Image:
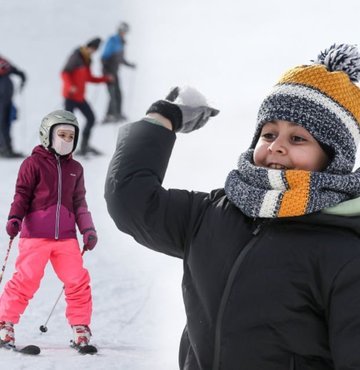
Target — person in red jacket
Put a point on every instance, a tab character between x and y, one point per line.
75	75
49	202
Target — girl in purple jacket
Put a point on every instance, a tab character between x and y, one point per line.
49	201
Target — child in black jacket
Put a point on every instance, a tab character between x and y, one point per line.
272	261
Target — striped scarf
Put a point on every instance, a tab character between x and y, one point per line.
268	193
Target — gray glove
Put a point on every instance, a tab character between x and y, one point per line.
186	108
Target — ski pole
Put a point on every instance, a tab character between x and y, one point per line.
43	328
6	258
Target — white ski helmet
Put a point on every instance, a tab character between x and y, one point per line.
56	118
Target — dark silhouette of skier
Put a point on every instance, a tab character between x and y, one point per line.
7	108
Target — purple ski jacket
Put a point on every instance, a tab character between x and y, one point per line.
50	197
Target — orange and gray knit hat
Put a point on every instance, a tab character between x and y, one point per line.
323	98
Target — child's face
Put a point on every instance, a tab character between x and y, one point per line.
283	145
66	135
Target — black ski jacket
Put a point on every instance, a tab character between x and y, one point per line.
259	294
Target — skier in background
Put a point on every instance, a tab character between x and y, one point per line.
75	75
49	202
111	58
7	108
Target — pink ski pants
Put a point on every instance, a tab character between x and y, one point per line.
66	259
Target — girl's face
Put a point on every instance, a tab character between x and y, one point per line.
66	135
63	139
284	145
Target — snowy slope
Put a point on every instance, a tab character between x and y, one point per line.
233	52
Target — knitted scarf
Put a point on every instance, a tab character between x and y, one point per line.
269	193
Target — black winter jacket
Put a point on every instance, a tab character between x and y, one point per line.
259	294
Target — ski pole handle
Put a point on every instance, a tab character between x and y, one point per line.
6	258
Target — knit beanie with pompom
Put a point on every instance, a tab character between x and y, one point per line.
323	98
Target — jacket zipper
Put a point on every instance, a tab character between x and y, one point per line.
58	205
225	296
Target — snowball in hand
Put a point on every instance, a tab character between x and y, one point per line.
190	96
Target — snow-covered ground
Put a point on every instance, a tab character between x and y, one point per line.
231	51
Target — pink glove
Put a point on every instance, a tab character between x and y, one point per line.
13	227
90	239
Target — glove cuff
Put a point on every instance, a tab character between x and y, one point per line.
88	229
169	110
14	217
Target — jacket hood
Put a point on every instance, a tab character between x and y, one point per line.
345	215
348	208
39	149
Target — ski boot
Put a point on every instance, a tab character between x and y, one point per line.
82	334
7	335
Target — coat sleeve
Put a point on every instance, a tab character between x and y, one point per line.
82	215
123	60
67	80
157	218
344	317
19	73
94	79
24	189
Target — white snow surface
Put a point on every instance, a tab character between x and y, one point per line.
231	51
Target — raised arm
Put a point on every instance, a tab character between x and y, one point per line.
157	218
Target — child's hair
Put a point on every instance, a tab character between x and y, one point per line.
323	98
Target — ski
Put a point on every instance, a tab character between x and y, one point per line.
87	349
27	350
30	349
